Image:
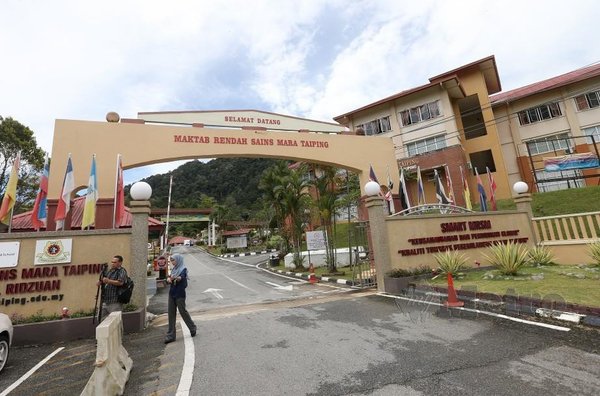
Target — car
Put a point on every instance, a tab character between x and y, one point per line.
6	336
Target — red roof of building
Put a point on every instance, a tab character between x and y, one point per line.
243	231
22	222
178	240
545	85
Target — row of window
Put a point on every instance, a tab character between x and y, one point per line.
562	141
408	117
588	100
377	126
547	111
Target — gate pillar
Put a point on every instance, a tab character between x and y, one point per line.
379	238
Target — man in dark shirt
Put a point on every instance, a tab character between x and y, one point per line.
111	280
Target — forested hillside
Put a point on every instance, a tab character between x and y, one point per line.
231	181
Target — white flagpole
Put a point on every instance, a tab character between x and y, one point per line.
168	213
115	199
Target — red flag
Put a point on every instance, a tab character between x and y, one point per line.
119	210
492	188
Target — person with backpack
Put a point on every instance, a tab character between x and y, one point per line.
111	281
178	281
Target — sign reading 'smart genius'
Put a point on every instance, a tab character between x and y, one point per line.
415	240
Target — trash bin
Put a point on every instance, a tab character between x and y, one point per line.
274	260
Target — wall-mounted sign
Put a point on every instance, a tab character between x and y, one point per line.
9	254
315	240
52	251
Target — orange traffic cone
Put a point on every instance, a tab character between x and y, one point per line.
452	298
311	274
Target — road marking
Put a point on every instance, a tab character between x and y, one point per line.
279	287
30	372
502	316
214	292
239	284
189	358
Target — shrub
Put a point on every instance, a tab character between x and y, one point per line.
450	262
594	252
402	272
509	258
541	255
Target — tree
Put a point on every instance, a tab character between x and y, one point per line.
273	205
326	204
15	137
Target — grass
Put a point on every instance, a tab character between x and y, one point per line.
556	285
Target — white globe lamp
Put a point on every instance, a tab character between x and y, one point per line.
372	188
140	191
520	187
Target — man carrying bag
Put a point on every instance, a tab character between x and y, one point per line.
111	281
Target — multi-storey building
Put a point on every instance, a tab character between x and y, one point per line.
461	120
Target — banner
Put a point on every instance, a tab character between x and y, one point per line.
9	254
571	161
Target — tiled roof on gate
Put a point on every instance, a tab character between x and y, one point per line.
243	231
545	85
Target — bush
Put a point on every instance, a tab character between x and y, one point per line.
450	262
509	258
402	272
541	255
594	253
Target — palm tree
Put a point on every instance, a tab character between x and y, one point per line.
272	178
220	215
326	204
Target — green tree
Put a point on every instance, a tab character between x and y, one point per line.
274	210
15	137
326	203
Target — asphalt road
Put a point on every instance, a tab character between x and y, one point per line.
259	336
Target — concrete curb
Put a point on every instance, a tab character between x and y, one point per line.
319	278
246	253
563	314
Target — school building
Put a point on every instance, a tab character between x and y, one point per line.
460	119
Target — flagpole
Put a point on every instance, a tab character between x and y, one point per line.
115	195
168	213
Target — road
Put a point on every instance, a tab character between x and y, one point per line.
260	334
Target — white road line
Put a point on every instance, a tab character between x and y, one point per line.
30	372
187	373
529	322
239	284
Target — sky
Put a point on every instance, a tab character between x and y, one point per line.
315	58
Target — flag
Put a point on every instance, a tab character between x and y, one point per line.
450	187
439	189
39	214
482	196
492	189
404	201
466	192
420	190
372	176
389	195
64	201
91	197
10	194
119	203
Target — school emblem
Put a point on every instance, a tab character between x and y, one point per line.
53	251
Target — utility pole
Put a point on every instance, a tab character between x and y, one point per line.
168	213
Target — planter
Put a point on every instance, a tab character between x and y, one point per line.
71	329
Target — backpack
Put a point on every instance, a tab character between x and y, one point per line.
125	291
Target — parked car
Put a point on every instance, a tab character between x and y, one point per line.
6	336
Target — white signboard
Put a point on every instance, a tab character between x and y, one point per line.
9	254
52	251
237	242
315	240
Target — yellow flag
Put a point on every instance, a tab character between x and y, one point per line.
10	195
89	210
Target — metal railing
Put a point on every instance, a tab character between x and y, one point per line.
580	227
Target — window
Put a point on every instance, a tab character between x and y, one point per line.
549	144
421	113
425	145
588	100
594	133
482	159
377	126
574	182
539	113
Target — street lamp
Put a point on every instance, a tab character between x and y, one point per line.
520	187
140	191
372	188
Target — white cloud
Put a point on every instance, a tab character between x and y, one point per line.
318	59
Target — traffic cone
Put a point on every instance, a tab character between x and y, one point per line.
311	274
452	298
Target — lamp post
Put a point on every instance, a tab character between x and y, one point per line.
523	198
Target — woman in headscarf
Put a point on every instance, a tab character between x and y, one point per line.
178	281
